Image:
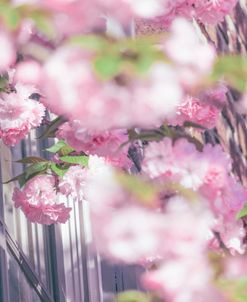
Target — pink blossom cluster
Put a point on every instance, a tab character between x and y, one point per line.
19	114
211	178
40	202
73	183
130	100
106	144
208	12
127	231
192	57
122	102
76	16
203	110
182	203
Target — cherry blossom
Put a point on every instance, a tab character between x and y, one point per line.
28	72
106	144
208	12
73	183
129	242
80	95
203	110
105	93
196	59
232	234
40	202
171	277
19	114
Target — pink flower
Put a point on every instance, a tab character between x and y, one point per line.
40	202
73	183
28	72
232	234
8	54
183	239
211	177
193	58
12	137
102	190
213	12
235	267
128	101
170	279
129	235
194	110
177	163
106	144
19	114
203	110
208	12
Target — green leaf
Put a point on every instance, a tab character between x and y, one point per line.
189	124
81	159
10	15
144	63
93	42
4	80
56	147
58	169
66	150
43	23
29	173
242	213
39	167
61	147
133	296
107	66
233	69
14	178
31	160
234	289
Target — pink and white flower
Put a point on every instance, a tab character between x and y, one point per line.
106	144
19	114
128	101
73	183
40	202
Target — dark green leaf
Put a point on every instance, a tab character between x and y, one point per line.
193	125
58	169
66	150
37	167
29	173
4	80
52	128
14	178
31	160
